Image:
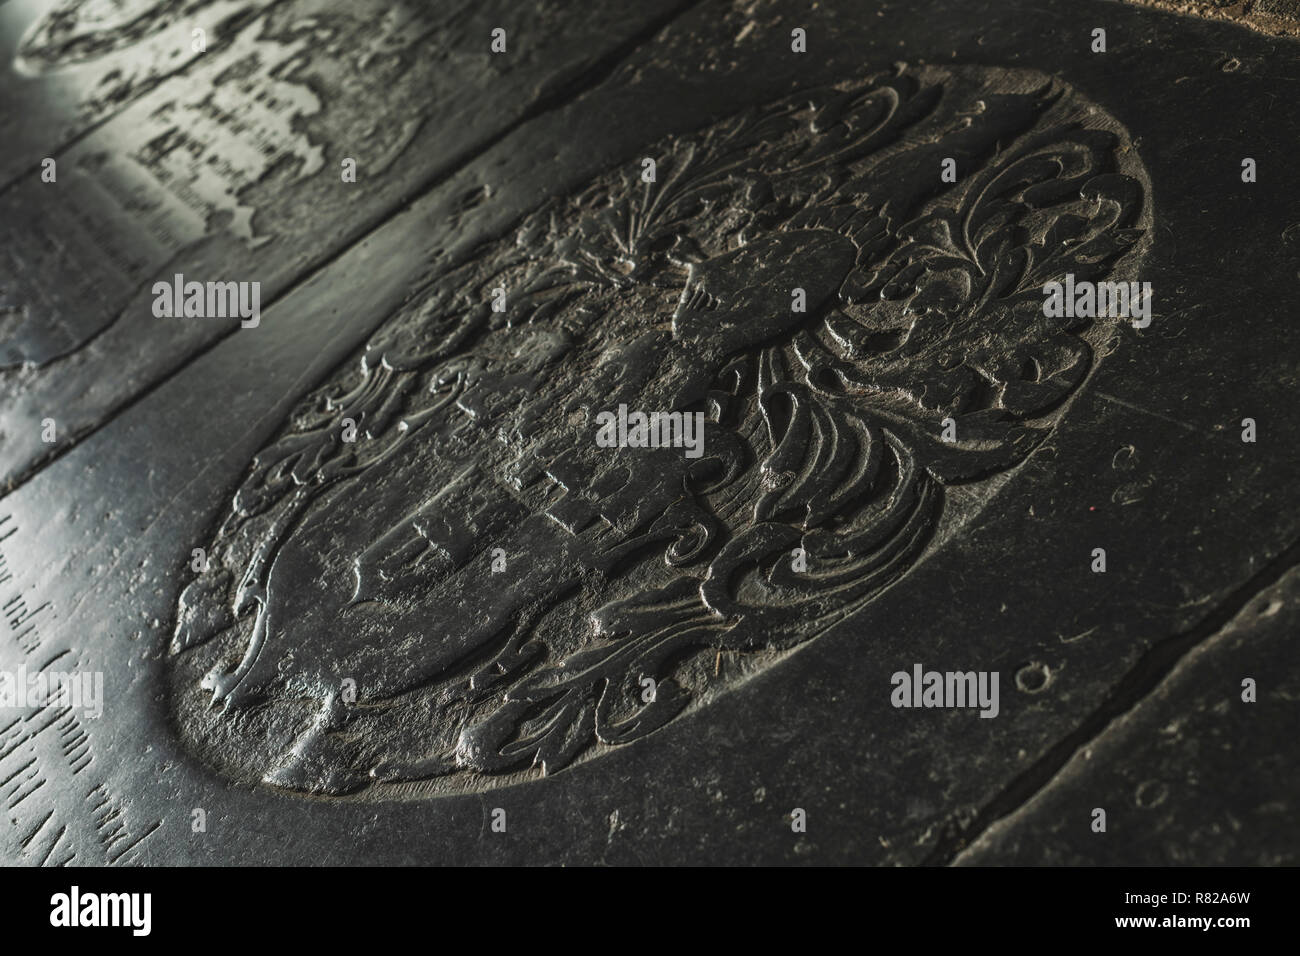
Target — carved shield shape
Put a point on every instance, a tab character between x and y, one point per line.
475	590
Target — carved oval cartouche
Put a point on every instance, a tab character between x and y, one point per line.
475	589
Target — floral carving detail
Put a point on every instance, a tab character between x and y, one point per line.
371	561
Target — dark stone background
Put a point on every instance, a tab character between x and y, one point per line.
1142	714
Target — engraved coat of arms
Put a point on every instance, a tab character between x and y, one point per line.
473	590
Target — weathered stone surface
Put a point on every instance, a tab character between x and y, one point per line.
1275	17
1137	450
70	65
231	170
1193	774
372	560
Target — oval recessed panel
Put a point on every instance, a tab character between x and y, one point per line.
440	576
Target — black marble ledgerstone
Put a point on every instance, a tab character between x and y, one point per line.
363	585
